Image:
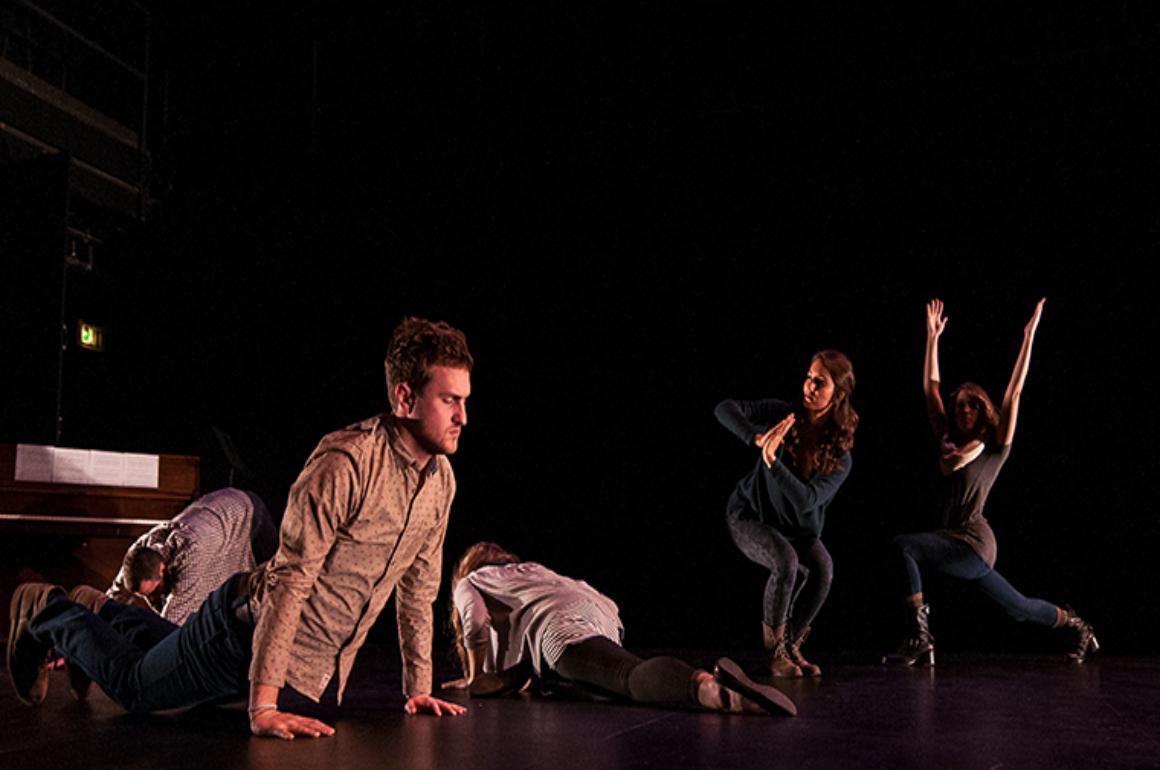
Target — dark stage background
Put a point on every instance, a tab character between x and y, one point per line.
634	213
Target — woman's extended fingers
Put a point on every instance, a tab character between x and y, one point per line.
761	439
774	438
782	428
769	451
1034	322
935	321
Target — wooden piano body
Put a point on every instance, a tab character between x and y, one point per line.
73	533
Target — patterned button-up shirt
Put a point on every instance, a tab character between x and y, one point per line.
362	519
201	547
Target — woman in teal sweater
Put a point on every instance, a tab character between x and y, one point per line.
778	509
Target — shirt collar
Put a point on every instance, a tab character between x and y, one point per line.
390	424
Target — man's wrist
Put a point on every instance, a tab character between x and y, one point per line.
263	697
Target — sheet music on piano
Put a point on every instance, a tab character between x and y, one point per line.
63	465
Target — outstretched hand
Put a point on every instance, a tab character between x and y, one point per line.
771	440
935	320
272	723
1029	329
427	704
491	683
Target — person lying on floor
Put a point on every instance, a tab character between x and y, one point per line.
514	619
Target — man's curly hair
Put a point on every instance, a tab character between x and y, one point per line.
418	344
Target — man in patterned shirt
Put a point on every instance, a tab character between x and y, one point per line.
216	536
366	516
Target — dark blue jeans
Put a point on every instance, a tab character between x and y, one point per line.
800	571
141	627
951	556
145	663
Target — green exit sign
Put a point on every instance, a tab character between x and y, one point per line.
90	337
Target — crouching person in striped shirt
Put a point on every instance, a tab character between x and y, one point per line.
518	620
365	519
184	559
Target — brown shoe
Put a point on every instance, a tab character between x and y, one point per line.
795	654
780	664
92	599
27	659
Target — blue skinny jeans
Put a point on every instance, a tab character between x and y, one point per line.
951	556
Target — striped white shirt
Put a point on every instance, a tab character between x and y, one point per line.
527	612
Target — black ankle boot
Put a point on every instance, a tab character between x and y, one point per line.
918	649
1085	636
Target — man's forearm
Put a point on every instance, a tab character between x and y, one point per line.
417	668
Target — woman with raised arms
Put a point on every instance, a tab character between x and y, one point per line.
973	443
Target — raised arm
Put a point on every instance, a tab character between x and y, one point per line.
935	323
1010	409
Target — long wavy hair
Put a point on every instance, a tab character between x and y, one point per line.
837	432
987	423
481	554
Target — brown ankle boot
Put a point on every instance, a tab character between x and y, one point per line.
781	666
27	659
795	654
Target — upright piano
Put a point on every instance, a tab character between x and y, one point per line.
76	532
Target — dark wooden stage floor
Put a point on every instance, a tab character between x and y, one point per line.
970	712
